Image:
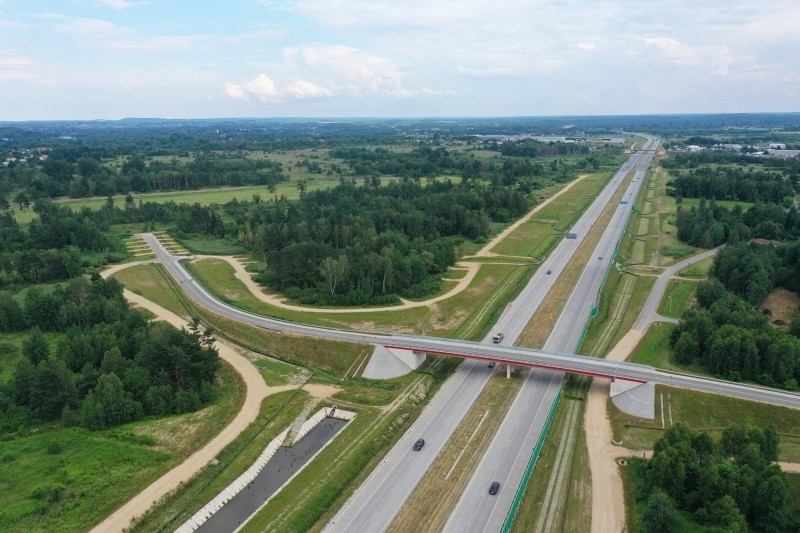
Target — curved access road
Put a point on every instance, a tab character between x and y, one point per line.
473	350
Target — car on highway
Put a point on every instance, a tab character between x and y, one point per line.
549	271
494	488
419	444
491	364
497	337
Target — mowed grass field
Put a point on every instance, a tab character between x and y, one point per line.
537	236
678	297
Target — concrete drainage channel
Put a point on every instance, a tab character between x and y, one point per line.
232	508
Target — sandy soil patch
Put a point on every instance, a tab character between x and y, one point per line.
783	304
318	390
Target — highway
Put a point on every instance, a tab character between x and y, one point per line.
378	500
375	504
507	457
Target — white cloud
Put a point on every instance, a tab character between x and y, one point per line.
303	90
101	34
264	89
673	51
235	91
118	4
18	67
493	72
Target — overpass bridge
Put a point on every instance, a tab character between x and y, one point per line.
512	355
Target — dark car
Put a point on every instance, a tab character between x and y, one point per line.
494	488
491	364
419	444
549	271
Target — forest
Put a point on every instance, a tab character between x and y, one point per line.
711	224
734	183
732	484
111	365
726	336
353	245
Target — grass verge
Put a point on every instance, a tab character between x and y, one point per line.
707	412
153	283
678	297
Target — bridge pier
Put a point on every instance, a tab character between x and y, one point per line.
508	371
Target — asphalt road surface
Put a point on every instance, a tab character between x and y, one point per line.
507	457
474	350
375	504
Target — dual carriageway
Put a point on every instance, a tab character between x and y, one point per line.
375	504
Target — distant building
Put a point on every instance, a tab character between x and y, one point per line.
784	153
695	148
730	147
777	146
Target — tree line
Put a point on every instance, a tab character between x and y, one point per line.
710	224
732	484
733	183
61	175
51	248
111	365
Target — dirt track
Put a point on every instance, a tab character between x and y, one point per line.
245	277
256	392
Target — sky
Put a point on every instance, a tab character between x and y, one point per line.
110	59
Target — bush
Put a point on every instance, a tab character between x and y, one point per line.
54	448
7	456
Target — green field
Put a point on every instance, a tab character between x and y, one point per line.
707	412
698	270
152	282
677	298
537	236
204	196
57	487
